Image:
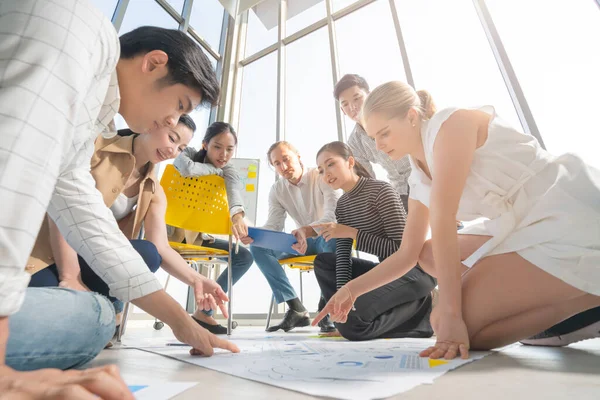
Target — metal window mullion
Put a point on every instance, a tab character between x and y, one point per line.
185	14
281	72
351	8
119	14
192	32
407	70
233	70
507	71
335	65
262	53
220	62
170	10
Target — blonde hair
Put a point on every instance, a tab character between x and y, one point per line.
277	145
395	99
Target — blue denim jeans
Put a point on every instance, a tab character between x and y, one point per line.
240	264
267	262
58	328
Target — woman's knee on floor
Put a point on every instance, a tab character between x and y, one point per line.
149	253
355	330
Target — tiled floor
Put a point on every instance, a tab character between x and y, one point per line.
517	372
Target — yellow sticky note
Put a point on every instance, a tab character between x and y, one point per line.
249	187
436	363
252	167
251	174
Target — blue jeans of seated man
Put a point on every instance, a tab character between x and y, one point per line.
240	264
58	328
267	261
48	277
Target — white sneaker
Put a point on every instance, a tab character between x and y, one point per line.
547	338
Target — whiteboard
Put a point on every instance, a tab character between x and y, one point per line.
248	169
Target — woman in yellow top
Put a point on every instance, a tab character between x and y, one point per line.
124	170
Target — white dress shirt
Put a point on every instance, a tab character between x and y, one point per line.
310	202
58	91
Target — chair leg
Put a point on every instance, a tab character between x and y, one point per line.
270	312
121	330
301	288
229	288
156	321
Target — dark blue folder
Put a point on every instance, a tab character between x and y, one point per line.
274	240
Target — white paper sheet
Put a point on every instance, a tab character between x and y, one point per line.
326	367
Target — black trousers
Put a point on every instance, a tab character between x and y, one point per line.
399	309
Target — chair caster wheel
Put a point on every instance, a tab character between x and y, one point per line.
158	325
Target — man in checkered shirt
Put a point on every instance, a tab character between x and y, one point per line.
64	75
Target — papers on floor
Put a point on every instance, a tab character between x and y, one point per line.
327	367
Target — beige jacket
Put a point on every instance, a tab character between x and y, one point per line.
111	165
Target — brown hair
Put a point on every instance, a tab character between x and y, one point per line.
395	99
348	81
343	150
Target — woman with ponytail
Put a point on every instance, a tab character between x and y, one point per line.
370	213
532	258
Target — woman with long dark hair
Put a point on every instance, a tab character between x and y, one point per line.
370	213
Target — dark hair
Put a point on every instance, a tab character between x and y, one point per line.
343	150
348	81
188	65
215	129
276	145
184	119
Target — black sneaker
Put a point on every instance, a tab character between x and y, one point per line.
326	325
292	319
583	326
215	329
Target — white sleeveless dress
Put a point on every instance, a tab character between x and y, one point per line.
545	208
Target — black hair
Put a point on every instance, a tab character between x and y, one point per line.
343	150
187	65
215	129
186	120
348	81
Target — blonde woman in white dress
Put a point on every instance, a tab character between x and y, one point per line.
535	259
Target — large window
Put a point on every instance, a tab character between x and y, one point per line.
261	32
146	12
256	133
368	46
177	5
557	63
450	56
207	20
310	108
302	13
106	6
550	44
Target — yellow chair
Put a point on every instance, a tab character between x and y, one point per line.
302	264
199	204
